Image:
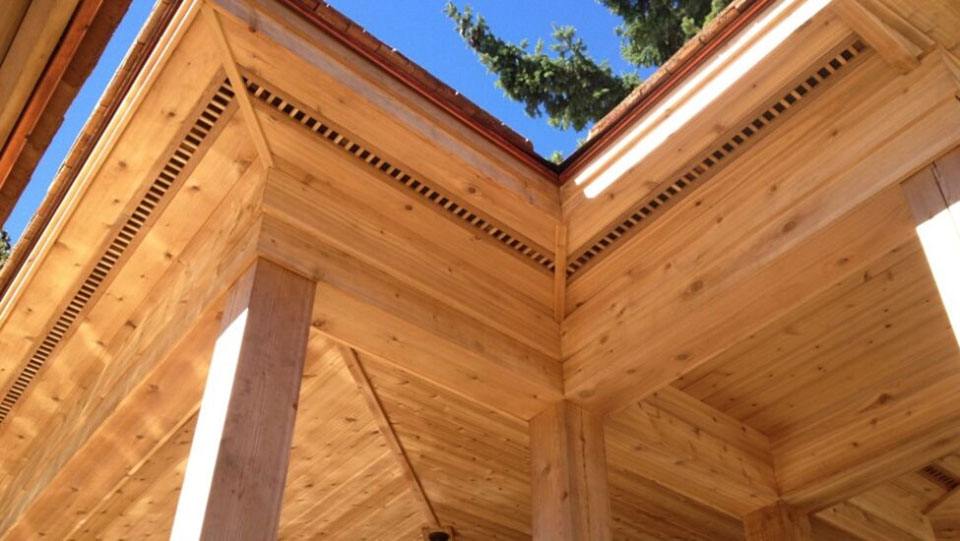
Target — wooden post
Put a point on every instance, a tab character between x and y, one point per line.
933	195
779	522
570	499
235	475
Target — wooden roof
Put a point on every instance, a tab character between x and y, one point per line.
747	306
47	49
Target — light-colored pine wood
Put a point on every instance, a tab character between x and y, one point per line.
698	268
785	314
569	468
694	450
359	374
560	274
233	485
933	195
308	63
896	40
30	47
236	81
777	522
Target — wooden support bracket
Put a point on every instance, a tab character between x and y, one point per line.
360	377
896	40
779	522
236	81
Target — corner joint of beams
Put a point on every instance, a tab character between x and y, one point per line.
228	59
897	40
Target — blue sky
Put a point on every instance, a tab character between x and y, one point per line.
417	28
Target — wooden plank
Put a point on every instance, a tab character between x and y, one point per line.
342	480
721	257
411	255
860	449
15	10
643	509
235	476
933	195
864	524
362	381
877	332
313	68
778	522
569	475
34	43
694	450
379	315
719	108
894	38
236	81
560	275
945	517
155	380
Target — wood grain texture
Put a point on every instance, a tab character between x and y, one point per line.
568	459
778	522
233	486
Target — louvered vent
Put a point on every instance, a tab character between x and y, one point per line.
419	187
167	178
940	477
734	143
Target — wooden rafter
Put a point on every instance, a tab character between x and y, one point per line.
360	377
236	81
896	39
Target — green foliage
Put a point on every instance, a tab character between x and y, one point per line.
652	30
569	86
4	247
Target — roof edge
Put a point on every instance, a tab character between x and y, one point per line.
684	62
351	35
87	139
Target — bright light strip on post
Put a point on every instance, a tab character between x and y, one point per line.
697	93
205	448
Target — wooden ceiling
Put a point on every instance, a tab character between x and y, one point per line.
767	335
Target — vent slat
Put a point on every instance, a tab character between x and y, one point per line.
420	188
712	159
176	162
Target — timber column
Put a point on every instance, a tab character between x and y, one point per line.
778	522
233	486
570	497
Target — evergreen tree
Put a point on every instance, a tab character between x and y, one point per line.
4	247
569	86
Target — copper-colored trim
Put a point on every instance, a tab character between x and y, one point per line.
442	96
618	120
88	137
40	97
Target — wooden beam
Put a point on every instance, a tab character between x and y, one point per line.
933	195
695	450
570	496
352	360
817	469
236	81
773	238
945	517
234	482
560	274
778	522
896	40
380	315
